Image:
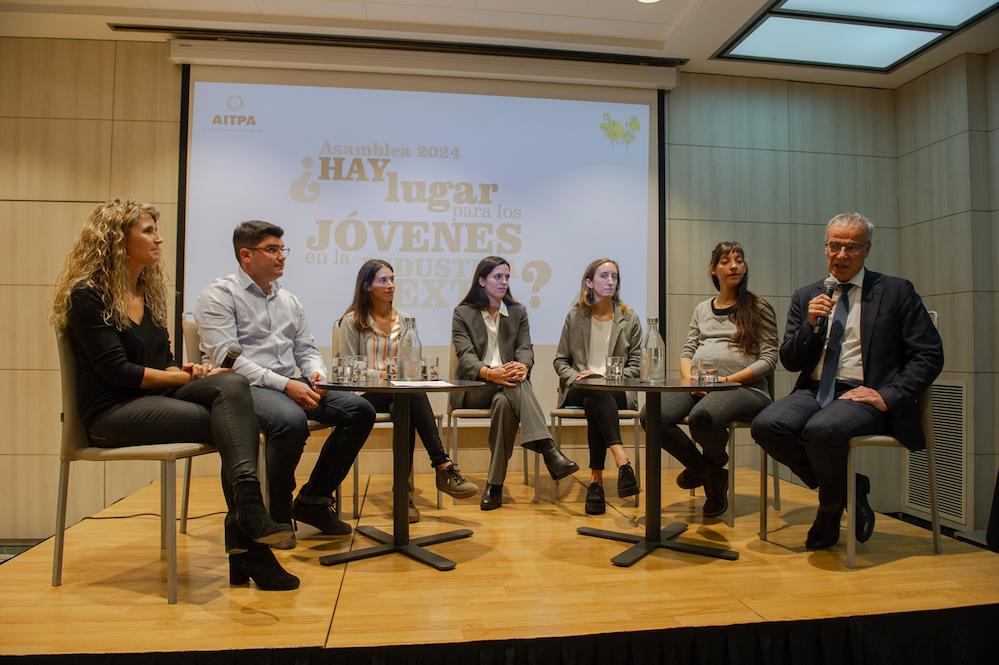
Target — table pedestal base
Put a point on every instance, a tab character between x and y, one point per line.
413	549
642	546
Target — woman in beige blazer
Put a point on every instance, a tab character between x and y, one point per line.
597	327
492	341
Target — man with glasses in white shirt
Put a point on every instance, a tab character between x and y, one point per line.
251	308
865	354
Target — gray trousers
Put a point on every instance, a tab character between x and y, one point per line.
510	408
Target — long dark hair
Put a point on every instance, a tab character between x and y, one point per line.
750	311
476	296
362	305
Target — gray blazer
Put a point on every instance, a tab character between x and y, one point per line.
469	336
574	346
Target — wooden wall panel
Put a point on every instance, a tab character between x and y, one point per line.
28	489
841	120
937	255
39	235
147	83
935	181
29	340
728	184
728	111
823	185
933	107
54	160
144	157
30	405
56	78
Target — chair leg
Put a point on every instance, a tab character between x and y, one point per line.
730	517
357	488
440	498
557	431
452	445
185	498
527	476
851	513
262	474
169	512
638	459
934	510
163	500
338	499
763	494
60	525
775	465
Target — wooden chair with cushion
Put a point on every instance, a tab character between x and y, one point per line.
76	446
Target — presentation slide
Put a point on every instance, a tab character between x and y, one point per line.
430	182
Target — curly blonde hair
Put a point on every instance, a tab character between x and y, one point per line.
98	259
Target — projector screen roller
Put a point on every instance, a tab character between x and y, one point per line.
432	182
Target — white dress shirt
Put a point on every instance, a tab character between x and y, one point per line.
493	358
271	328
851	364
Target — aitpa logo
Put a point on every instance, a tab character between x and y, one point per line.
234	103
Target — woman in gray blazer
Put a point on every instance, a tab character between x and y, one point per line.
492	341
597	327
372	327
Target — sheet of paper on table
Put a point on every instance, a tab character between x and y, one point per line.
421	384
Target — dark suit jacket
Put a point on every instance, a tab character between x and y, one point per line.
574	347
900	347
469	336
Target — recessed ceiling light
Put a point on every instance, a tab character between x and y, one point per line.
831	43
949	13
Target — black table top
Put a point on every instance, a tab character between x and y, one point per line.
641	385
385	386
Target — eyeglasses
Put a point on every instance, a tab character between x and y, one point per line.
272	250
851	248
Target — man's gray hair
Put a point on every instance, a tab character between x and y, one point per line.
852	219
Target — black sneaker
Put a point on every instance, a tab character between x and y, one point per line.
627	483
321	516
595	503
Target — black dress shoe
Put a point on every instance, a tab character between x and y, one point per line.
322	516
688	480
825	530
559	466
492	497
864	517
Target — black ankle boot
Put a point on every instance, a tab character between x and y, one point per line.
253	519
715	490
559	466
260	565
235	539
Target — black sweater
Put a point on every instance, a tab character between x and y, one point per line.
109	362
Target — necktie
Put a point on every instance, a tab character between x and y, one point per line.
827	381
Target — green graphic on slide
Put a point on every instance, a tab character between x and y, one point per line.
616	132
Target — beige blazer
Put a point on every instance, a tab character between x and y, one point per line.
574	346
469	336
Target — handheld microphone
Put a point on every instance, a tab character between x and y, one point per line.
230	355
831	283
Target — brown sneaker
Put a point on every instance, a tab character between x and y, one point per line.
451	482
414	512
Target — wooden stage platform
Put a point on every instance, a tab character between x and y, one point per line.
524	574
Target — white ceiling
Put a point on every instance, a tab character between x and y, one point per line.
692	29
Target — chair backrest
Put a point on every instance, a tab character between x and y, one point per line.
74	434
335	350
925	402
454	369
192	340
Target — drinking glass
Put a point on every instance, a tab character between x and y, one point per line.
615	368
709	373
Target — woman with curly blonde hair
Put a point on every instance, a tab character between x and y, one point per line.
111	301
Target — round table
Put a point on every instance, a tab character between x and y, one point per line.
398	540
655	537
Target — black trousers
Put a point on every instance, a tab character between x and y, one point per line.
813	442
421	419
216	410
603	426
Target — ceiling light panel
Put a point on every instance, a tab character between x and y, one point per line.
949	13
831	43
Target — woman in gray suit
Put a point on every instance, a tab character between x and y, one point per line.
599	326
492	341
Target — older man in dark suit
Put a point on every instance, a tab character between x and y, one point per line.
866	353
